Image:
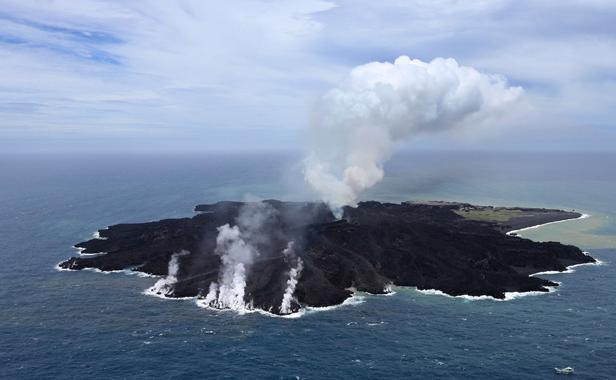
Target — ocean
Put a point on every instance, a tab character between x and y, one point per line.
87	325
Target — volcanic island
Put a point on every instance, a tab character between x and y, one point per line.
455	248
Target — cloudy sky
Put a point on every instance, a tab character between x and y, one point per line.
237	75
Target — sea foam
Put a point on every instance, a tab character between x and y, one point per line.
508	295
583	216
513	295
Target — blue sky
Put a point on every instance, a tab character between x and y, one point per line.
199	75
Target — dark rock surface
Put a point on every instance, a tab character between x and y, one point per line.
427	245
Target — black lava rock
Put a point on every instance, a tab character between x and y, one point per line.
373	246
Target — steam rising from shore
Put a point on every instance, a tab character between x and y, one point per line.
237	247
294	274
235	255
355	126
165	285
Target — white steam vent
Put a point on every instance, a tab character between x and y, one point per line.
164	286
294	275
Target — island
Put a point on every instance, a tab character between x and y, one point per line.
455	248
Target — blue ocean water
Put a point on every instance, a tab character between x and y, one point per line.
78	325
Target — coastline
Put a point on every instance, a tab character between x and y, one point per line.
526	219
510	296
127	271
510	233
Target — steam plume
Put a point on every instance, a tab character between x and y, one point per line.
237	248
235	255
294	274
165	285
356	125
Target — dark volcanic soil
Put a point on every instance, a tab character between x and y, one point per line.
427	245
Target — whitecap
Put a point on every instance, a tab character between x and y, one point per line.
354	300
127	271
59	268
570	268
508	295
583	216
96	235
80	252
153	293
513	295
200	303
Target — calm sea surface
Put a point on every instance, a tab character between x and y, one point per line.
82	325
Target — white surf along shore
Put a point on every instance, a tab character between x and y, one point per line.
357	297
513	295
583	216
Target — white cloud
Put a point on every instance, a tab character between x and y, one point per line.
190	65
129	70
356	125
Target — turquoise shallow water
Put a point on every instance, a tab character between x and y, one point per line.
79	325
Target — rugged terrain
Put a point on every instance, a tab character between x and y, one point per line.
452	247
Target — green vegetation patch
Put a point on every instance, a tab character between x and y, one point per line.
490	214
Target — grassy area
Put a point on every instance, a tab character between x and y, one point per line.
490	214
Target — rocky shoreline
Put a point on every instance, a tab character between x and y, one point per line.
455	248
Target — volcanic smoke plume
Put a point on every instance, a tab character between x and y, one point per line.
238	247
294	275
236	254
165	285
354	127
